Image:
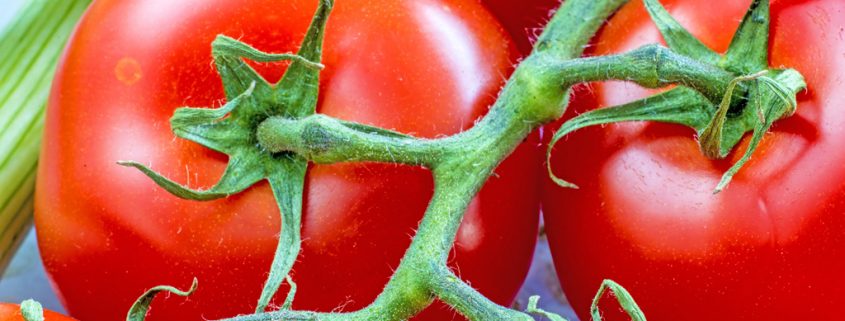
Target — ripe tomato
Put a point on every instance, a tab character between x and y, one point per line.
769	247
107	233
523	19
12	312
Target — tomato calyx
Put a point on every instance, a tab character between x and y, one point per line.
231	129
750	101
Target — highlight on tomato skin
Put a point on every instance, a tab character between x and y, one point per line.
107	233
768	247
12	312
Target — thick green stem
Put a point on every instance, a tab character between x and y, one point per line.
651	66
322	139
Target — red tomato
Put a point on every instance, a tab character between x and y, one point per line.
769	247
12	312
107	233
523	19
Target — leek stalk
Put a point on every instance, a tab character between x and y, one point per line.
30	46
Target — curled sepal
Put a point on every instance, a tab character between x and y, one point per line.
711	139
31	310
677	37
187	116
139	309
206	126
680	105
772	106
224	46
783	93
533	309
622	296
287	180
240	174
749	49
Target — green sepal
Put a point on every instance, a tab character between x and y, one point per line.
224	46
297	90
208	126
237	75
31	310
749	49
677	37
240	174
680	105
287	180
534	309
622	296
297	94
139	309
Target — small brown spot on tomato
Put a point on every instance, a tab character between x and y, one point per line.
128	71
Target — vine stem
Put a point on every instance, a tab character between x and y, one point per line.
461	164
325	140
536	94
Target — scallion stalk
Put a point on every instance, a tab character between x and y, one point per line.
30	45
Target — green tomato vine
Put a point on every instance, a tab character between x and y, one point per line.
271	131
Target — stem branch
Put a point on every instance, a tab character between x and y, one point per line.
469	302
322	139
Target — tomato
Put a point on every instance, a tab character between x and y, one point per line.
769	247
107	233
12	312
523	19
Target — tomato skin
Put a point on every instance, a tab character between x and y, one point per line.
523	19
12	312
769	247
107	233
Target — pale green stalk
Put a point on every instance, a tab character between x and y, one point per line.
30	45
